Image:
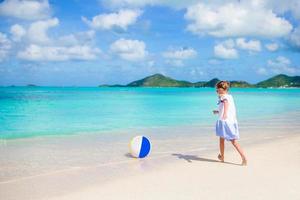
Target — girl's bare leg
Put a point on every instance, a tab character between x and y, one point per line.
240	150
222	147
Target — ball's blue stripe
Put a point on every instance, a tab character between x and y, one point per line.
145	147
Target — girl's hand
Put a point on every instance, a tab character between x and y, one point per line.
215	112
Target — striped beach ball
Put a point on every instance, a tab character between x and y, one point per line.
139	146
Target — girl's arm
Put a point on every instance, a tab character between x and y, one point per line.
225	103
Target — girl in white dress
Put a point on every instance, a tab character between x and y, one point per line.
226	125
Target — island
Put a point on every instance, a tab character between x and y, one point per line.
159	80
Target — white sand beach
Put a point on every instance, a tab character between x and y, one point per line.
273	172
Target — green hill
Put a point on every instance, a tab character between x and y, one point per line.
211	83
159	80
240	84
280	80
199	84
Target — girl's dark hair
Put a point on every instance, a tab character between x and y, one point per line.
225	85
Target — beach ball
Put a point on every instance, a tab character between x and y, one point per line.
139	146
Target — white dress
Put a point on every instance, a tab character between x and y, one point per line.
228	128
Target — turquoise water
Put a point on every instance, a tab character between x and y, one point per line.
37	111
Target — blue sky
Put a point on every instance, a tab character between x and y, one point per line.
72	43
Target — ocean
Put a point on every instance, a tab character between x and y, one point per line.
61	111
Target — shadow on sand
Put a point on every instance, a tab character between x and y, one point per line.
190	158
128	155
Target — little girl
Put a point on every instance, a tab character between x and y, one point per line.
226	126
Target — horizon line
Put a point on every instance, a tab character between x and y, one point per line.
125	85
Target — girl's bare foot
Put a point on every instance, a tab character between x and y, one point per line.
221	157
244	162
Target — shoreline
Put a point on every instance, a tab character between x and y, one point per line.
58	153
57	167
252	121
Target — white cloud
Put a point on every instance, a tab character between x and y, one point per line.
121	19
175	57
226	50
196	72
281	65
17	32
272	46
142	3
28	10
41	47
132	50
58	53
279	61
251	45
5	46
35	9
37	32
235	19
262	71
281	7
176	63
277	6
80	38
294	38
180	54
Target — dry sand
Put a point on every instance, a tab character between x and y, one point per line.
273	172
